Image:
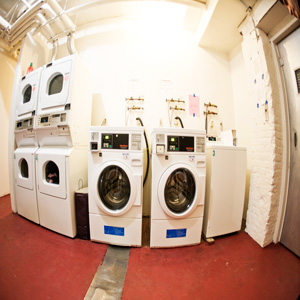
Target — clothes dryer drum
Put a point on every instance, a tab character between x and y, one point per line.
116	185
178	187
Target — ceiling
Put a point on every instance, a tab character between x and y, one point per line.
218	30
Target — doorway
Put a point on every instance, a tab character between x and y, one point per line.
289	50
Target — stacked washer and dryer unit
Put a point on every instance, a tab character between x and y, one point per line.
62	124
52	124
27	146
178	187
116	159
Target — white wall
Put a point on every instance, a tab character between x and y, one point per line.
243	110
128	60
7	67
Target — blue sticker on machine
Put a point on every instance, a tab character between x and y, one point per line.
111	230
176	233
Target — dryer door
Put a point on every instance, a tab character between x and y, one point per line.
24	167
115	188
179	190
55	85
51	174
28	93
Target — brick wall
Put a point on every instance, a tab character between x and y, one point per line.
266	143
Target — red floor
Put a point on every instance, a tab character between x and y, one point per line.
36	263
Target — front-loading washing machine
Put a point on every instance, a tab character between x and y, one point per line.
27	146
178	187
116	185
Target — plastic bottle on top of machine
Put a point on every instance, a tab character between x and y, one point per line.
29	69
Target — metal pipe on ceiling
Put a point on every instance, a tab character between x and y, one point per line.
70	44
32	11
23	33
39	16
45	27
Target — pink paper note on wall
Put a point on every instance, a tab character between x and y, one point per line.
194	106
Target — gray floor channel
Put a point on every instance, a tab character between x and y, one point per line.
109	279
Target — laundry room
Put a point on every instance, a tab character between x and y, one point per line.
169	122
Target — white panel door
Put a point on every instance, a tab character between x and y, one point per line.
289	50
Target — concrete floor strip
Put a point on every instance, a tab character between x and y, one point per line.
109	279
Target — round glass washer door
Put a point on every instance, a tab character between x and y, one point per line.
115	188
178	191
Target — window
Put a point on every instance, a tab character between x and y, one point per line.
24	168
52	173
180	190
114	187
27	94
56	85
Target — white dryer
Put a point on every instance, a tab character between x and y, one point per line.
60	171
116	185
64	103
28	95
27	145
178	187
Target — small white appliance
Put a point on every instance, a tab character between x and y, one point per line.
116	185
27	146
62	124
178	187
225	189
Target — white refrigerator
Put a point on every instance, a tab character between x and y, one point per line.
225	189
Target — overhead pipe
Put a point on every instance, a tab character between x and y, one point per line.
23	33
50	12
10	37
32	11
54	51
33	17
59	11
45	26
4	23
71	45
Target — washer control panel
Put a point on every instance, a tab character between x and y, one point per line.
187	143
115	141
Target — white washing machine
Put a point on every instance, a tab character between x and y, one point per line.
62	127
116	185
27	146
178	187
